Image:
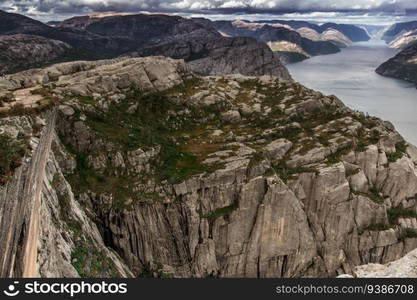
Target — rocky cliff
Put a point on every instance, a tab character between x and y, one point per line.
20	51
153	171
401	66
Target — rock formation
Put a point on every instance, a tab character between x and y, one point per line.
405	267
150	170
401	66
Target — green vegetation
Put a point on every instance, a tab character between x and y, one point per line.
394	213
20	110
222	211
43	91
286	173
406	233
352	172
154	123
336	157
378	227
401	149
373	193
155	272
89	262
11	153
256	159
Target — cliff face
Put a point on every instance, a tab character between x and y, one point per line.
401	66
228	176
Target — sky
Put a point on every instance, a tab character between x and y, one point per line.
351	11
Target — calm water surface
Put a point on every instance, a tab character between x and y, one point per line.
350	75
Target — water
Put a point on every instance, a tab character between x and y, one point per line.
350	75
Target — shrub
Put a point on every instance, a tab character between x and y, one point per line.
378	227
222	211
394	213
407	233
400	148
11	152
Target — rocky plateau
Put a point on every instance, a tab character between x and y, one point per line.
139	167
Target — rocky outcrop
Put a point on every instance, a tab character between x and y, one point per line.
227	176
223	56
18	52
401	66
404	267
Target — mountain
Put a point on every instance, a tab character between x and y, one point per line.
112	35
293	40
353	32
401	35
87	43
404	40
374	31
281	38
140	168
142	28
401	66
20	51
398	29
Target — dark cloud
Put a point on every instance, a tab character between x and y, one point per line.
62	7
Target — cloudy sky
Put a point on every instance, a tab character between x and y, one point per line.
57	9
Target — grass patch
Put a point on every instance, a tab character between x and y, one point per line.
92	263
222	211
378	227
11	154
406	233
286	173
336	157
394	213
400	151
373	194
155	272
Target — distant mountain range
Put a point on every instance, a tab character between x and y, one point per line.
293	40
404	64
212	46
92	37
